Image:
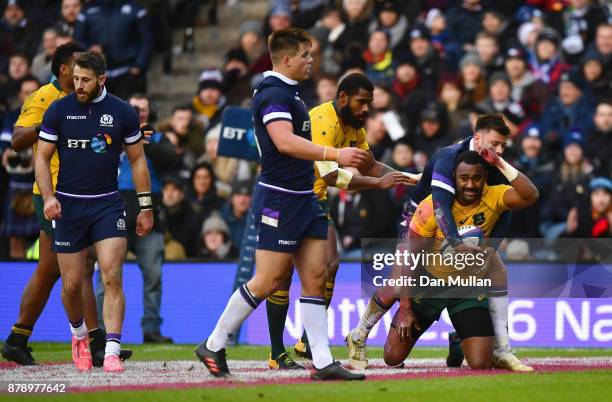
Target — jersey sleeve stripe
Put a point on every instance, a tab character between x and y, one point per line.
276	116
275	108
48	130
443	179
141	13
442	185
43	135
135	137
6	136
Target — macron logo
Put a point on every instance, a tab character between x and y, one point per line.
76	117
287	242
62	243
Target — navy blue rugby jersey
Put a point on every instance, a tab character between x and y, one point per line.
89	139
440	172
277	98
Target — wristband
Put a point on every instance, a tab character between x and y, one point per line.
507	170
325	153
344	178
145	201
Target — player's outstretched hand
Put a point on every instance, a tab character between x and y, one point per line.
490	156
52	209
389	180
147	131
406	320
352	157
144	222
410	179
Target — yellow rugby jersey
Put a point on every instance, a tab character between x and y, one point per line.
327	130
32	113
483	214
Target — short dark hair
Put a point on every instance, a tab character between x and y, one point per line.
63	54
471	158
92	61
22	55
28	78
182	106
492	122
352	83
287	40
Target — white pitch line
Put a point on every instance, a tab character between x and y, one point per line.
143	373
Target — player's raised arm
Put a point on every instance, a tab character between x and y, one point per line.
281	133
523	192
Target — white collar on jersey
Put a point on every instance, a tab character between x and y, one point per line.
281	77
472	147
102	96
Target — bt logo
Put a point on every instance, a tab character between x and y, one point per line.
98	144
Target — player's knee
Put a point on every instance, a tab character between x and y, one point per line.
393	358
479	363
112	281
71	286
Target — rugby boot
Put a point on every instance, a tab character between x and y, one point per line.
333	372
356	352
22	356
507	360
215	362
303	350
455	353
284	362
112	364
81	356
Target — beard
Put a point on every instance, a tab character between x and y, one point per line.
90	96
349	118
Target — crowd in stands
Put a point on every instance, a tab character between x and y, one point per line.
545	65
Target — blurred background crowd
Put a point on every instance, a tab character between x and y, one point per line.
545	65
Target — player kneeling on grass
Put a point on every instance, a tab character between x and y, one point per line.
470	316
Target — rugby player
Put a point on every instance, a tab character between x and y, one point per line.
90	128
340	124
490	132
469	316
291	226
38	289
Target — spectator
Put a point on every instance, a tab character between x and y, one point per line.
568	187
210	100
326	89
176	216
278	19
581	22
383	99
391	21
18	33
377	137
487	50
379	58
70	10
216	243
598	146
435	22
500	101
473	82
534	164
203	192
350	26
19	223
596	221
423	52
120	30
41	65
186	133
19	68
598	81
450	95
369	213
409	92
602	46
237	76
432	133
464	23
149	250
253	45
497	25
571	109
234	212
530	92
545	61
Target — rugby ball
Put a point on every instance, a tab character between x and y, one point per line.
470	234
